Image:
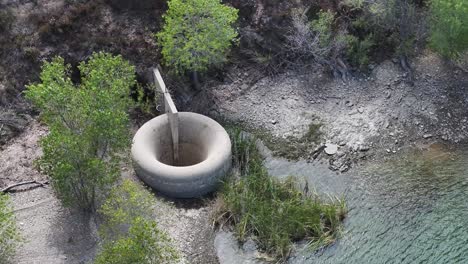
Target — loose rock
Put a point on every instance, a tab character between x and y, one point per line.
426	136
331	149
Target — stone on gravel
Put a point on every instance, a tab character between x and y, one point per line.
331	149
426	136
364	148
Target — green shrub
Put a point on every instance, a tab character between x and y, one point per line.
147	97
124	203
391	26
358	50
275	213
196	34
9	234
130	235
88	125
322	26
449	28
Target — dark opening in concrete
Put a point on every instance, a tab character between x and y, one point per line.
189	154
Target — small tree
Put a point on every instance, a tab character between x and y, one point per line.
88	125
196	34
130	234
9	234
449	30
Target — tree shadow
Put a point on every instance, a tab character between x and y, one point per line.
74	235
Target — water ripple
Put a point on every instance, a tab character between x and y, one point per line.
412	209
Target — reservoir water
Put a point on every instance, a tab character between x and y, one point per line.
412	208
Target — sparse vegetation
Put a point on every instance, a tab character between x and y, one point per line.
309	40
147	98
290	147
358	50
130	234
273	212
32	53
449	27
6	18
345	34
9	233
197	34
88	125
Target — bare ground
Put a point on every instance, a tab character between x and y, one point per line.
54	234
51	233
16	159
366	117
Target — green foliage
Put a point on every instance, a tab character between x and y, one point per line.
9	234
449	28
196	34
88	125
147	98
275	213
130	235
357	50
322	26
381	26
124	203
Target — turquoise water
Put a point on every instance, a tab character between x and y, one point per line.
412	208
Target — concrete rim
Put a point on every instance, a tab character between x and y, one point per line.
182	181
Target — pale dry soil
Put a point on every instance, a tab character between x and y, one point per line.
54	234
378	114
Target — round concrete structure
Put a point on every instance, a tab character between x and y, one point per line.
204	155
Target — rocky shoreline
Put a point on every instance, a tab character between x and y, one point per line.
364	118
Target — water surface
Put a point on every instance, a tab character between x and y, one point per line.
412	208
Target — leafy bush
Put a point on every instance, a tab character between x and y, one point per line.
381	24
130	235
358	50
275	213
9	234
146	99
196	34
125	202
88	125
322	26
449	30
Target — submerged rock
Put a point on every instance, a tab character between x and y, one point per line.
228	251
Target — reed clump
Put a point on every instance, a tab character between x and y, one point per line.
274	213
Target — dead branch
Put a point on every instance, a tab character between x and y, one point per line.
37	184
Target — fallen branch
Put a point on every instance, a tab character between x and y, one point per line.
38	184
